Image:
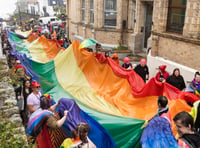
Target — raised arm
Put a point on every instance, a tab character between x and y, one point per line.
52	122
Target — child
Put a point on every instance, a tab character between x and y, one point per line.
127	63
79	138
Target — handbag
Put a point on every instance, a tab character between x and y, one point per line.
20	102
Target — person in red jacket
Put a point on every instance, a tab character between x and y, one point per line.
162	74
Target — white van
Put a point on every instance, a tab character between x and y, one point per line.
52	19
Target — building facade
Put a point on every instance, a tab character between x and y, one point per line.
46	9
28	6
60	3
170	27
39	7
111	22
176	31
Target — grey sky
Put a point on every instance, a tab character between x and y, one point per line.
7	7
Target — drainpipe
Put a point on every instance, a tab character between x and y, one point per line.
127	17
127	12
124	26
67	19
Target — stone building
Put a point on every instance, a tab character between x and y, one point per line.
38	7
170	27
176	31
176	37
28	6
111	22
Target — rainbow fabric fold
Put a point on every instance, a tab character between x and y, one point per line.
116	98
36	121
23	34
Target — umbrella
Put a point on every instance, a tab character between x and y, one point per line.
31	19
88	42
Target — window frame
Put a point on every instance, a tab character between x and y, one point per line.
170	6
82	11
92	12
110	11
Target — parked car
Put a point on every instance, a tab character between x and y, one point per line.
52	19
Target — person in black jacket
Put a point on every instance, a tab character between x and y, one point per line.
142	70
185	128
127	64
176	79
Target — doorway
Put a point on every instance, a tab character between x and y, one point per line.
147	22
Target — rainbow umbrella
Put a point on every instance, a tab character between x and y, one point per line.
88	42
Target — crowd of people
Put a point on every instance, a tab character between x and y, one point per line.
187	127
175	79
187	124
32	102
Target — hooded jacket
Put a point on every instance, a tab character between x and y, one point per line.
189	141
164	73
115	58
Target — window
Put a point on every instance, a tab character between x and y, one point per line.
110	13
53	19
32	10
91	11
176	16
83	11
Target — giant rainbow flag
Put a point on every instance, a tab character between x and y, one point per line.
116	98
